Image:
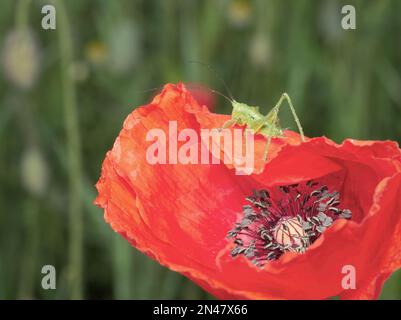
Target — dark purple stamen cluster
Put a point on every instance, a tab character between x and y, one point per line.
292	222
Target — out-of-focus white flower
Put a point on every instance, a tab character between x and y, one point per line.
330	21
34	171
124	46
21	58
239	13
260	50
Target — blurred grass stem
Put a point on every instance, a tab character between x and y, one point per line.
74	162
22	14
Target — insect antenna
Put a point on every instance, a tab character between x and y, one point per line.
149	90
188	86
211	90
218	77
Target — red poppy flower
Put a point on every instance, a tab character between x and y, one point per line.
284	232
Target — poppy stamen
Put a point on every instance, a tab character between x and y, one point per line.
292	221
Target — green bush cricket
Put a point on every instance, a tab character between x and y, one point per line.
250	116
268	125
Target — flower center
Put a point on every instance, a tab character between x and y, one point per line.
290	221
288	232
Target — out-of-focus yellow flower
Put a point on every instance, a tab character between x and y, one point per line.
96	52
34	171
21	58
260	50
239	12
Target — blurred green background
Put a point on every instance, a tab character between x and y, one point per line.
64	94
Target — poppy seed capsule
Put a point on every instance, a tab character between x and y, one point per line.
289	232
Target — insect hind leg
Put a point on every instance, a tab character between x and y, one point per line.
283	97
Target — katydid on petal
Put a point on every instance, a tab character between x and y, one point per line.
268	125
